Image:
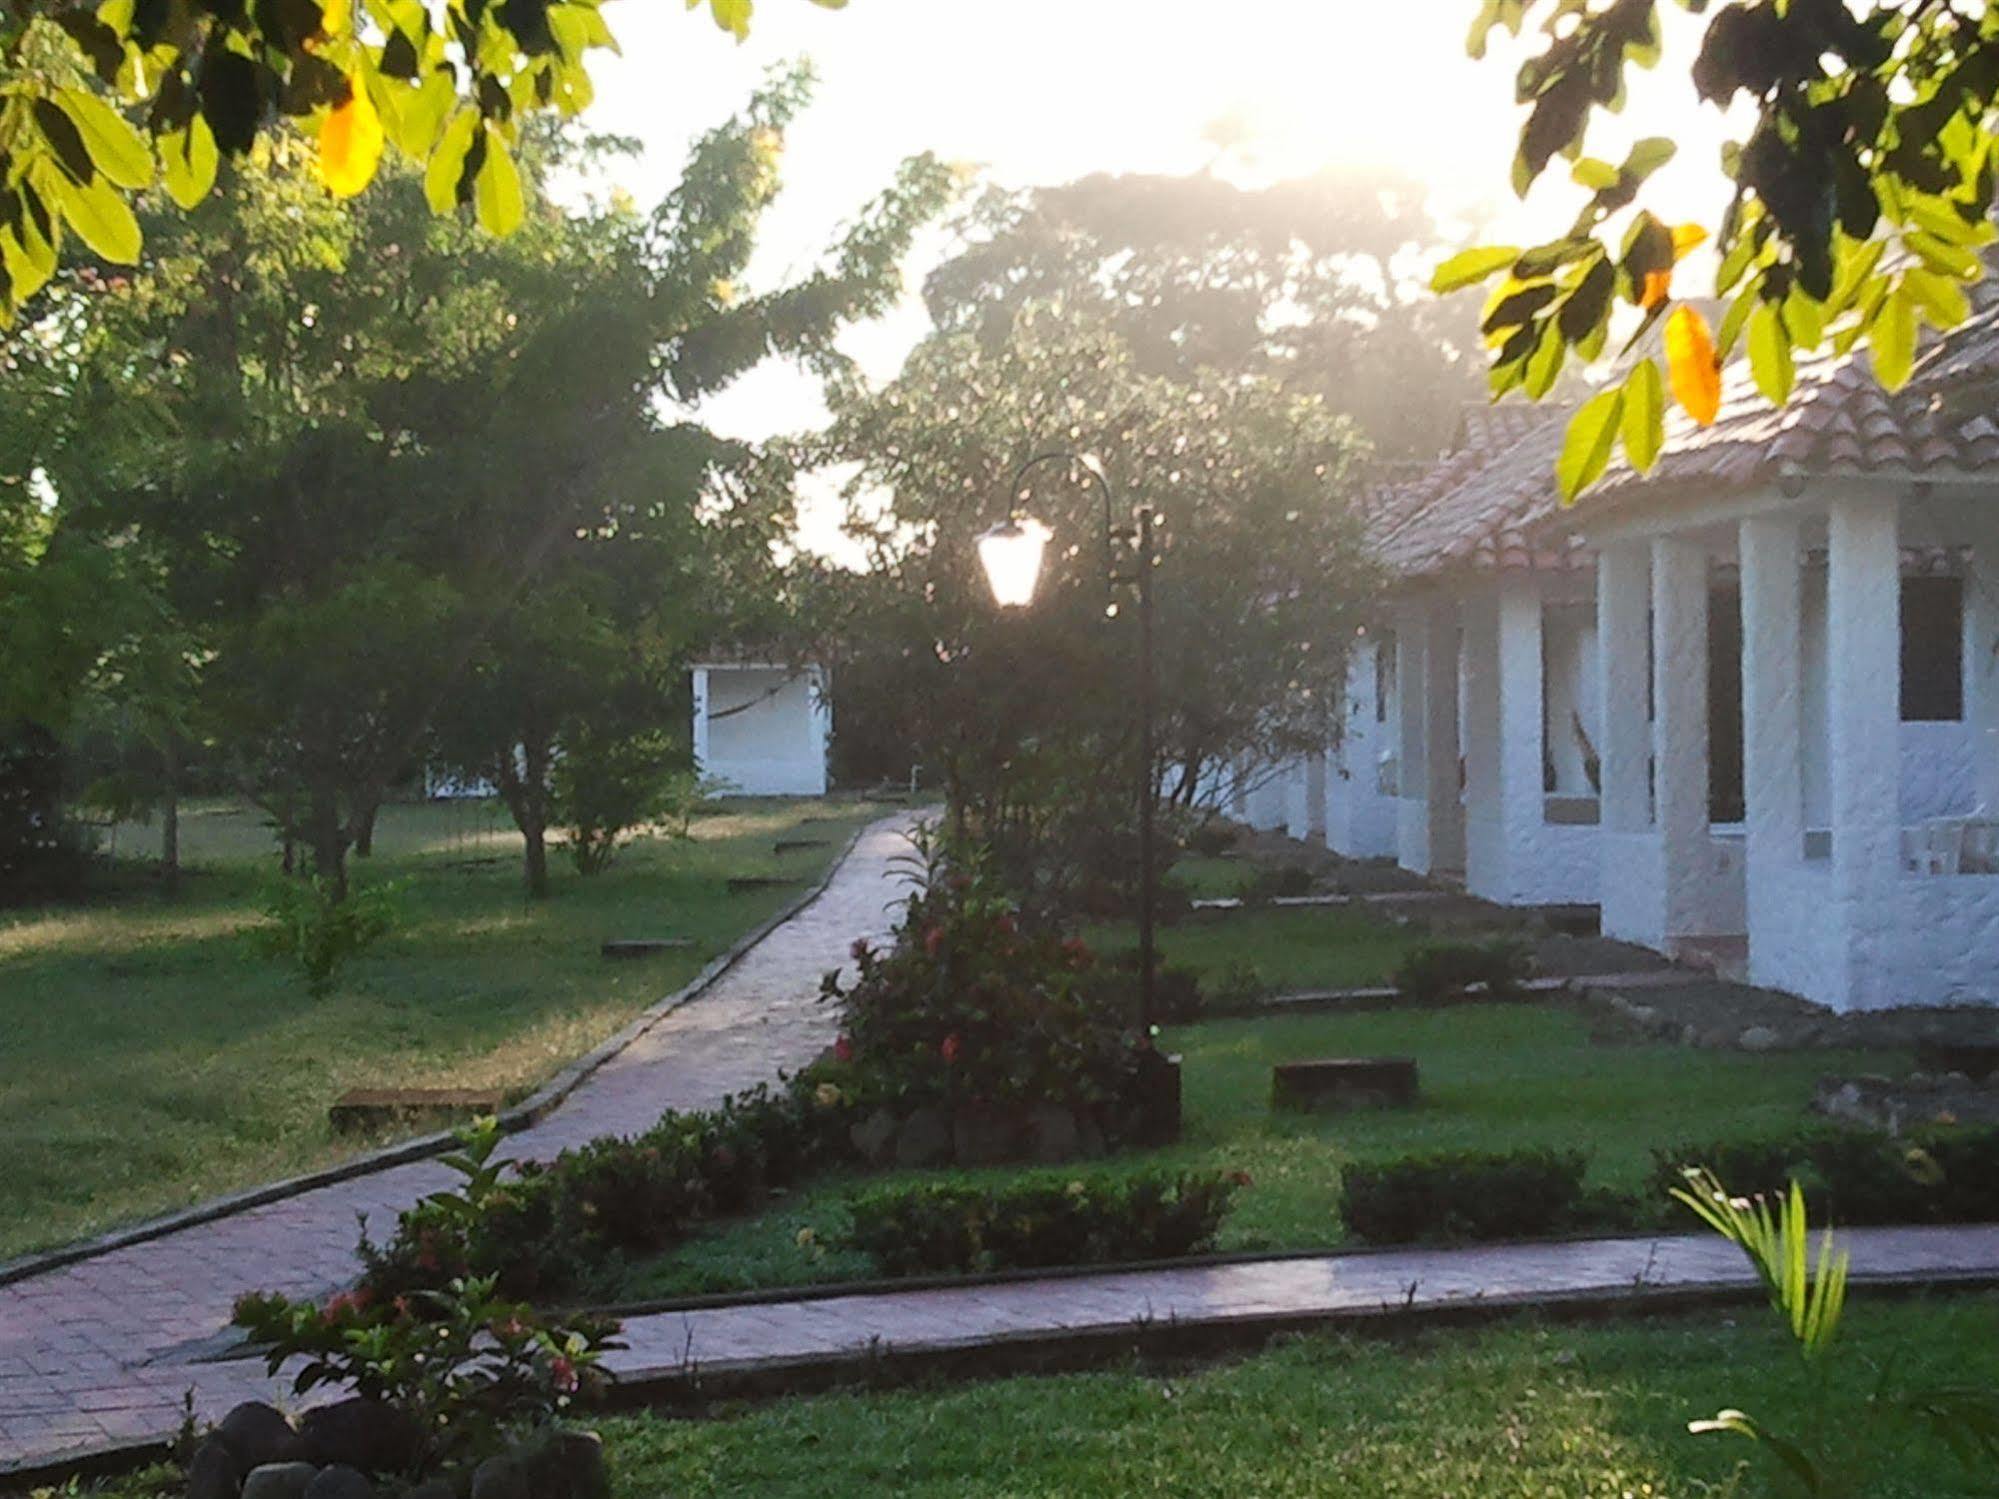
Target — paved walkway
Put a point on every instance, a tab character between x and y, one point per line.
99	1351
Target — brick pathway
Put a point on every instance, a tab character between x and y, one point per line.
100	1351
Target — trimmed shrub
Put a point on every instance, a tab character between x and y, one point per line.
1178	995
1212	839
1040	1222
1274	881
1851	1177
1438	972
1470	1194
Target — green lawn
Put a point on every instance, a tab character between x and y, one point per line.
1526	1410
1281	948
154	1057
1521	1410
1494	1077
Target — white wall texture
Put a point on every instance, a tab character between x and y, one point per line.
776	746
1360	814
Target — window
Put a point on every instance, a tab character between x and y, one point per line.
1932	650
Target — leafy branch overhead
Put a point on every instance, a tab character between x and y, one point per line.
101	99
1862	193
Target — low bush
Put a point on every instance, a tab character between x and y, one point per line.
1178	995
1280	881
315	928
1040	1222
1440	972
1851	1177
1212	838
1468	1194
535	1229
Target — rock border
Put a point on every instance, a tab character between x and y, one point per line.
529	1111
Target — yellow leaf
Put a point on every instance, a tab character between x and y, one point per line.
350	143
1692	366
1687	238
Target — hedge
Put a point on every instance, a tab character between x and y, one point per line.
1040	1222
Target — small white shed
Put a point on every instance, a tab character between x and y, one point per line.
761	728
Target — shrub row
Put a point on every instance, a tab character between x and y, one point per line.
1039	1222
544	1228
1849	1178
1438	972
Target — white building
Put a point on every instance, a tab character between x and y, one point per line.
1749	702
761	728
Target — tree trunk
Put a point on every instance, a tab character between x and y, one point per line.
170	817
523	784
364	830
328	840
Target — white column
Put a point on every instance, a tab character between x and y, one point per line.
1412	823
1486	852
1623	611
1781	944
1440	737
1522	726
1315	797
700	720
1863	626
1981	663
1680	731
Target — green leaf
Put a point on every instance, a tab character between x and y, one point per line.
1545	363
447	161
1941	298
1893	339
1594	174
1746	301
1587	446
118	150
1469	267
497	195
1770	354
1647	156
100	214
188	160
1644	421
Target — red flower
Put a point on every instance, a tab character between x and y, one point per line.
343	1302
563	1373
1240	1178
933	941
843	1049
1078	952
950	1048
1008	926
961	883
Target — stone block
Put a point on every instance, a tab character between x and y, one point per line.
340	1482
214	1471
982	1137
1340	1083
361	1433
258	1434
874	1137
1053	1134
279	1481
924	1139
644	947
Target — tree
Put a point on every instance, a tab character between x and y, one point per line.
450	86
1863	190
361	433
1303	283
1028	718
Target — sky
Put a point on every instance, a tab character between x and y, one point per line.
1045	91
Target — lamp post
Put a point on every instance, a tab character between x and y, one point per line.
1011	554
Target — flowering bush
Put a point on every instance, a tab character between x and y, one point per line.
461	1364
973	1006
1040	1222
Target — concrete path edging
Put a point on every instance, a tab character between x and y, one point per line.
527	1112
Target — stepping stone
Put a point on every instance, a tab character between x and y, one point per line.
742	884
1340	1083
375	1108
793	845
644	947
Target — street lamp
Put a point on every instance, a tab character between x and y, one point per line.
1011	554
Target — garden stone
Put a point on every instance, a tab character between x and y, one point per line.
924	1139
432	1488
363	1433
1053	1132
981	1137
1758	1038
279	1481
500	1478
874	1137
565	1465
340	1482
214	1472
258	1434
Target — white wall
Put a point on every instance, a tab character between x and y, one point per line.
776	744
1360	808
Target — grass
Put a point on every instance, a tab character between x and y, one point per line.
1279	949
154	1057
1494	1077
1521	1409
